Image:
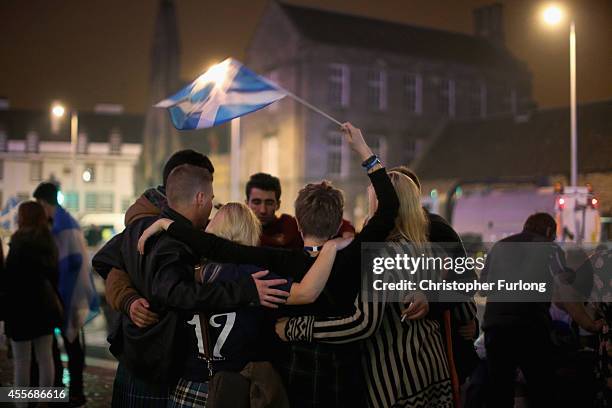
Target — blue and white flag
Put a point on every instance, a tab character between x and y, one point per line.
8	215
76	286
224	92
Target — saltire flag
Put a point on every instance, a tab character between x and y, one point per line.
8	215
226	91
76	286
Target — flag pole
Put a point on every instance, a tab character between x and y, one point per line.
314	108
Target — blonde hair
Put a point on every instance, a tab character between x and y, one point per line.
237	223
411	223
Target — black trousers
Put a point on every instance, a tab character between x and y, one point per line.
76	364
529	349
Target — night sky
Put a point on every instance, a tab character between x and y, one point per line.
86	52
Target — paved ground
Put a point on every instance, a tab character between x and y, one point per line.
98	382
99	373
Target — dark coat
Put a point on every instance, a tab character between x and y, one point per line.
165	277
31	279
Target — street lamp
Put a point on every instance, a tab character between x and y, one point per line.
553	15
58	110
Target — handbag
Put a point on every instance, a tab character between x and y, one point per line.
225	388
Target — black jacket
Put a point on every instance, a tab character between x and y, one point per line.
165	277
523	257
30	281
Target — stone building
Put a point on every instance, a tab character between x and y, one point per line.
96	176
401	84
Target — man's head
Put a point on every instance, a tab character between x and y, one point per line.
542	224
187	156
318	210
189	191
46	195
263	193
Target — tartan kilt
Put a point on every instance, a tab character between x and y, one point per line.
188	394
131	392
319	375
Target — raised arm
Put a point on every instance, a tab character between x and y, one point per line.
383	220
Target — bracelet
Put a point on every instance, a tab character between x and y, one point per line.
369	161
373	164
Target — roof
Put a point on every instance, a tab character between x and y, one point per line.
17	123
363	32
505	148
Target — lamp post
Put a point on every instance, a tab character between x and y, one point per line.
553	15
58	110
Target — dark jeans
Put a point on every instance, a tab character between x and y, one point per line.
76	364
529	349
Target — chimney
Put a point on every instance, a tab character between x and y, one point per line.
488	23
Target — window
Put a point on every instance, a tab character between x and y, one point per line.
413	93
339	85
269	154
82	143
3	141
445	96
99	202
35	171
337	155
274	77
71	201
412	148
377	89
105	202
108	174
89	173
115	142
126	202
476	99
32	142
378	144
499	98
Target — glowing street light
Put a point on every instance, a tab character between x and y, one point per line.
58	110
553	15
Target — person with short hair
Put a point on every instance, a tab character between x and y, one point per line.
410	372
151	361
315	374
120	294
76	287
518	334
244	339
263	193
33	306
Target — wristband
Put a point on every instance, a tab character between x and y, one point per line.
369	161
374	163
